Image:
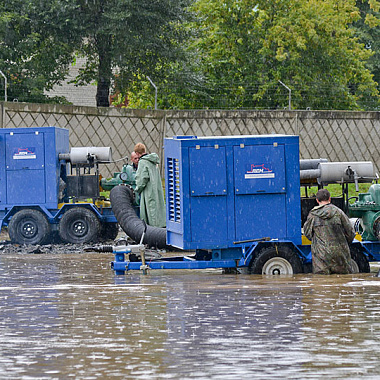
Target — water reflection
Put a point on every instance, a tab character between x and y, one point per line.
68	316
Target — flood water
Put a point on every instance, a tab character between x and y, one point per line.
69	316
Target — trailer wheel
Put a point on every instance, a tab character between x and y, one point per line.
109	231
276	260
29	227
79	225
359	260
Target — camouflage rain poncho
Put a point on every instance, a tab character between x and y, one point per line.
330	232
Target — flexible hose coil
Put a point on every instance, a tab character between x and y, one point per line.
122	206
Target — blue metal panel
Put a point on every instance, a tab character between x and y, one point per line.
208	174
259	169
56	142
260	209
25	163
208	188
293	202
259	216
25	151
3	182
25	187
209	220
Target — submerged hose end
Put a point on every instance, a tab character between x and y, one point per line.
102	248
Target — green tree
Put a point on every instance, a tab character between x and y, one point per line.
119	38
125	38
36	46
247	48
368	31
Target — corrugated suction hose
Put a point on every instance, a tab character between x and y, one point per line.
122	206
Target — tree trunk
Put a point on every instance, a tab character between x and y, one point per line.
104	71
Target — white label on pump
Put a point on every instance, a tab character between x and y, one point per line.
24	154
259	171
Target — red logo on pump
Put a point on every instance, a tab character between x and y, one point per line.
259	169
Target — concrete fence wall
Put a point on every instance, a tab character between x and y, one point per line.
335	135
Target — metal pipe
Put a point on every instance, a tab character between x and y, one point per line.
311	163
344	171
143	266
310	174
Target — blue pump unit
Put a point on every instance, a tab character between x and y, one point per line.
223	191
29	166
235	201
40	201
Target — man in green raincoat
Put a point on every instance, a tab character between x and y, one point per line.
330	232
149	186
131	170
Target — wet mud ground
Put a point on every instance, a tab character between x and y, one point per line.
64	314
61	248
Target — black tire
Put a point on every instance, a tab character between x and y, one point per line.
109	231
360	260
79	225
276	260
29	227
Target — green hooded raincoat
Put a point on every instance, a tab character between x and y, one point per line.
149	186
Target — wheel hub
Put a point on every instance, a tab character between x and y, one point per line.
277	266
28	229
79	228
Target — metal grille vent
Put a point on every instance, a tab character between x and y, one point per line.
174	192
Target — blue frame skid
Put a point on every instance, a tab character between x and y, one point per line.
370	249
120	266
239	257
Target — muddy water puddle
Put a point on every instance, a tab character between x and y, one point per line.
69	316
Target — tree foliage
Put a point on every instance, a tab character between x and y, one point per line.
367	28
325	51
119	38
36	46
306	44
122	38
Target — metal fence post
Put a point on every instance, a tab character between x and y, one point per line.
290	95
5	86
155	89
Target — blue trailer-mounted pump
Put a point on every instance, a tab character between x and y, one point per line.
235	201
49	191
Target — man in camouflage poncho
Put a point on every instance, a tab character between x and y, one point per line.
330	232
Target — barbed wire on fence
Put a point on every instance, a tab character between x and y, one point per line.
211	95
